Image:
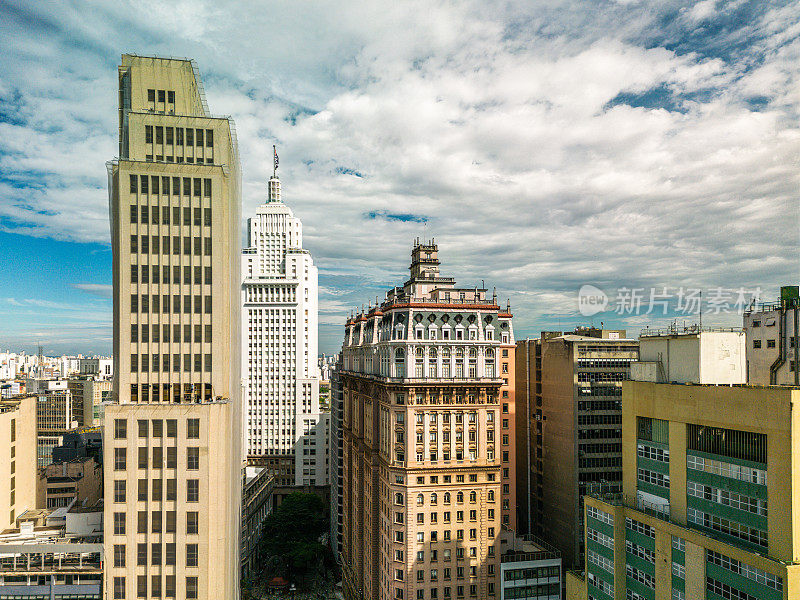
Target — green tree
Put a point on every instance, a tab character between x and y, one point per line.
290	546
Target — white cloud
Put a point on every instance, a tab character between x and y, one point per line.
546	146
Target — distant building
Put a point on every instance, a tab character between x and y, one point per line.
691	355
570	387
530	568
279	346
257	504
78	482
773	340
336	458
54	418
53	553
88	394
18	459
101	367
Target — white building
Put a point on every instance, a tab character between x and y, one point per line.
279	343
773	331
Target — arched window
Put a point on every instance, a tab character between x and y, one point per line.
445	352
473	497
432	353
489	353
419	352
398	499
447	497
473	353
459	352
420	499
460	497
399	354
434	498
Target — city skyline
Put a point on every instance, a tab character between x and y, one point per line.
666	129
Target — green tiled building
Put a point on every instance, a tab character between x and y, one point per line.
711	499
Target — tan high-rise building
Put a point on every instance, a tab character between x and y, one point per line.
18	459
172	439
570	388
422	382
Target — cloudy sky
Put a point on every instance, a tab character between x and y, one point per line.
546	145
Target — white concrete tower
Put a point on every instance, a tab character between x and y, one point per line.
279	345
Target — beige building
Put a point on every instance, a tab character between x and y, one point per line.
772	330
421	433
172	439
709	507
18	463
60	484
573	386
88	394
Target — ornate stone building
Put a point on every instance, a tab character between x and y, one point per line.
422	381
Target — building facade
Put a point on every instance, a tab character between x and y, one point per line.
172	436
709	505
279	345
772	332
337	458
61	484
422	472
88	394
575	395
18	463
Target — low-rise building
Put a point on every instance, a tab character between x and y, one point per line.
772	330
51	554
78	481
257	504
530	569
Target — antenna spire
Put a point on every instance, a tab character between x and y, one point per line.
275	166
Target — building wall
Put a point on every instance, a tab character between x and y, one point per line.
763	345
18	463
83	477
175	231
508	448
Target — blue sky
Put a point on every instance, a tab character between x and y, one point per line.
545	145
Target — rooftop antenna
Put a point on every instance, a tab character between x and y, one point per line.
40	362
275	163
701	310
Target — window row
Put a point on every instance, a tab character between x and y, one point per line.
155	303
162	215
165	333
196	275
166	186
157	553
155	589
160	244
178	136
192	428
157	518
160	363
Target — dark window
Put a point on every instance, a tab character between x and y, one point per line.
145	181
162	95
119	588
189	140
187	187
151	95
199	137
155	553
142	490
207	246
207	217
192	459
171	97
192	523
141	554
197	184
134	244
170	135
148	134
732	443
209	137
141	521
192	490
207	188
134	183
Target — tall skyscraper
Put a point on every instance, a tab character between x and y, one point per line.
572	386
279	346
421	382
172	439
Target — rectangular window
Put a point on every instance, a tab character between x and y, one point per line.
192	490
192	458
119	588
119	523
192	523
191	555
